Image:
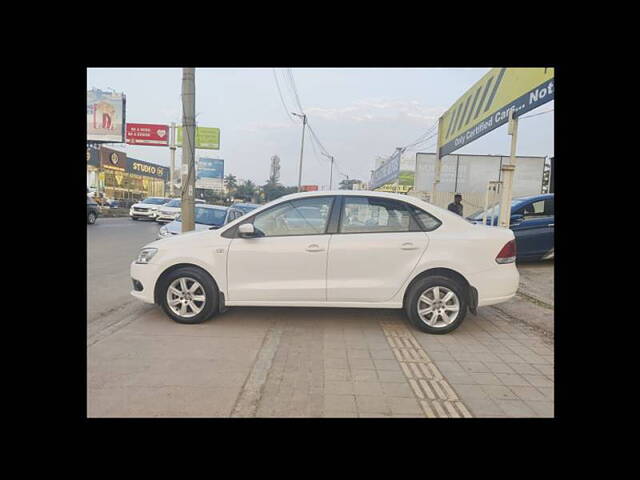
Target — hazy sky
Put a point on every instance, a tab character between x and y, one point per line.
357	113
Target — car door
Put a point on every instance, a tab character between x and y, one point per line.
288	261
534	233
376	247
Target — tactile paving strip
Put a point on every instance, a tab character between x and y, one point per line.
437	398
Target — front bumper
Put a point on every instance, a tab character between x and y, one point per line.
146	275
149	214
165	217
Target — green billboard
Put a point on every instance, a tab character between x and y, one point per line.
206	137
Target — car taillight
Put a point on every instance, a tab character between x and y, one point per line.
508	253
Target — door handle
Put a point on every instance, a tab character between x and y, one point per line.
408	246
314	248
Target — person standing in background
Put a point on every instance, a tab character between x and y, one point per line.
456	205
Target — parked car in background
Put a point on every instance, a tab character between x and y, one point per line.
93	210
170	211
147	208
245	207
532	222
207	217
393	251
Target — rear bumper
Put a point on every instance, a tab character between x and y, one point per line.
496	285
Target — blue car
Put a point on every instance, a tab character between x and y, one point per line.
532	222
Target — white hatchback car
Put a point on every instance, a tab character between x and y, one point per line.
343	248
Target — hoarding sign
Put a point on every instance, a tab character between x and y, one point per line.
105	116
386	172
146	169
113	160
309	188
209	173
206	137
147	134
486	105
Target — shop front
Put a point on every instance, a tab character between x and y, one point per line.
125	178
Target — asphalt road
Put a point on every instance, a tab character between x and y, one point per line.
112	244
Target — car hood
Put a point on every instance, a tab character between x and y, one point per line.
170	209
146	205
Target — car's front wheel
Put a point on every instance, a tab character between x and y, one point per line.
188	295
91	218
436	304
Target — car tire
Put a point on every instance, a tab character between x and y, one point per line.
205	289
91	218
432	287
134	218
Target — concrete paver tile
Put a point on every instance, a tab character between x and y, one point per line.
372	404
339	403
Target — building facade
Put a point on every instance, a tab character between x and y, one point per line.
120	177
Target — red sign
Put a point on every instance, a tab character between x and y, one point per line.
308	188
147	134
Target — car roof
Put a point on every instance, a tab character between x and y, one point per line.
542	196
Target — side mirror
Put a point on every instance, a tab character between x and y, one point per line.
518	217
246	230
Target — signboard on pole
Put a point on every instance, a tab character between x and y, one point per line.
206	138
210	173
105	116
147	134
386	172
486	105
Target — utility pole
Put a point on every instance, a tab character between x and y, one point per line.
304	124
330	171
172	147
508	171
188	147
437	167
399	150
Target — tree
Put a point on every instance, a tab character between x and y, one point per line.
347	184
231	182
246	190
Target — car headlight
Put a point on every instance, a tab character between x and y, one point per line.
146	254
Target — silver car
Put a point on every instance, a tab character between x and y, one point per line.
207	217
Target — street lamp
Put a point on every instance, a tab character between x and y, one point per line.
304	124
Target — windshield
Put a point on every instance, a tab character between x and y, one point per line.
155	200
493	211
208	216
245	208
174	203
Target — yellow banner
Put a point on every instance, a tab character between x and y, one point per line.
486	105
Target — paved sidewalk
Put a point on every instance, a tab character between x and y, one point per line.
299	362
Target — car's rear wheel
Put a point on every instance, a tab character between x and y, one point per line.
91	218
436	304
188	295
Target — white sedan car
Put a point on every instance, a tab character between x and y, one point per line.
345	248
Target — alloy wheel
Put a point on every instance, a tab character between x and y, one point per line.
438	306
186	297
